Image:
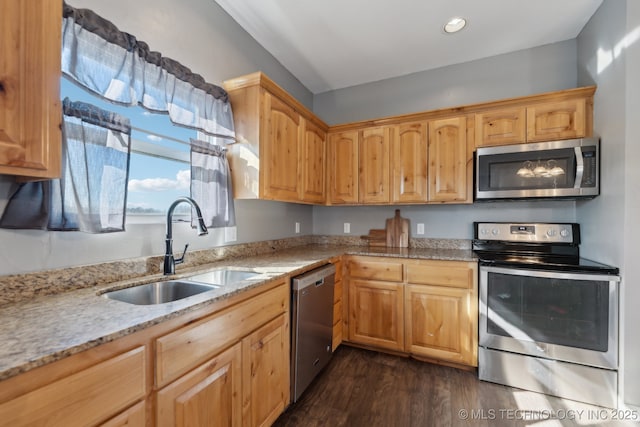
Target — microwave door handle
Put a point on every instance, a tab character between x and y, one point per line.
579	167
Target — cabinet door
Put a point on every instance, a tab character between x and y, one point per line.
376	314
312	165
30	113
207	396
556	120
409	162
439	323
374	165
265	373
343	167
501	127
279	157
448	157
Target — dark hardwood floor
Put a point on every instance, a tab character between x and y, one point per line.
363	388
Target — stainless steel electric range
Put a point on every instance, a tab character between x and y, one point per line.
548	318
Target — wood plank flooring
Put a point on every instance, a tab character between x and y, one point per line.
363	388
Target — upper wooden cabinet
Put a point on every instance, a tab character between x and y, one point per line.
448	159
284	153
556	120
281	145
559	115
313	165
30	112
374	144
343	167
501	127
409	163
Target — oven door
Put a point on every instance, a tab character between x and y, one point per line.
562	316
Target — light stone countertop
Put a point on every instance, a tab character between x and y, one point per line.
50	327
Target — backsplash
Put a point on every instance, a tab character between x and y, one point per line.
20	287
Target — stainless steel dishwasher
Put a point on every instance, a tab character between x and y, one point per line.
311	326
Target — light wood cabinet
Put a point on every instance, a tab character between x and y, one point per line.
280	154
246	384
535	122
409	163
210	395
265	373
501	127
376	303
338	307
557	120
280	148
88	397
313	164
30	109
374	145
343	168
376	314
425	308
223	364
441	311
448	160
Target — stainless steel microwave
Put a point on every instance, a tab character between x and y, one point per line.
554	169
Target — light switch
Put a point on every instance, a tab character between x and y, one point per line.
347	227
420	229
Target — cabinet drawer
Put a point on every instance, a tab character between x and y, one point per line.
387	271
185	348
85	398
441	273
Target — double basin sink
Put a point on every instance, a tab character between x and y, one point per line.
174	290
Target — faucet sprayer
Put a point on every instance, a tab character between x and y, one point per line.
169	260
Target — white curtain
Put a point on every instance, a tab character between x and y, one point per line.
211	184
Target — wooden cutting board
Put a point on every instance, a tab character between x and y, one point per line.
397	231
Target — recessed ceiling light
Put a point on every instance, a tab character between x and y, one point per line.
454	25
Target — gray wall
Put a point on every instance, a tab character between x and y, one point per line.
200	35
541	69
609	55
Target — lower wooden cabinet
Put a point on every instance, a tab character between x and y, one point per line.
426	308
376	314
338	307
438	323
207	396
265	373
226	364
88	397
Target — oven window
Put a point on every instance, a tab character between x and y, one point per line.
546	169
573	313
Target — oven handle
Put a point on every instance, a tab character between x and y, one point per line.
517	271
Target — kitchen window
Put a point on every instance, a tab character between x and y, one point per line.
160	160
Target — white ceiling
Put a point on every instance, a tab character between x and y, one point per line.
331	44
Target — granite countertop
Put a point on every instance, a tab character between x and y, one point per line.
50	327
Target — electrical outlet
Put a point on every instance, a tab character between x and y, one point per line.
347	227
297	228
230	234
420	229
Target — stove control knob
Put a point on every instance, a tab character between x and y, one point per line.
495	231
564	232
551	232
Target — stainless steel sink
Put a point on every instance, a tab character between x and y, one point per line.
159	292
223	277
